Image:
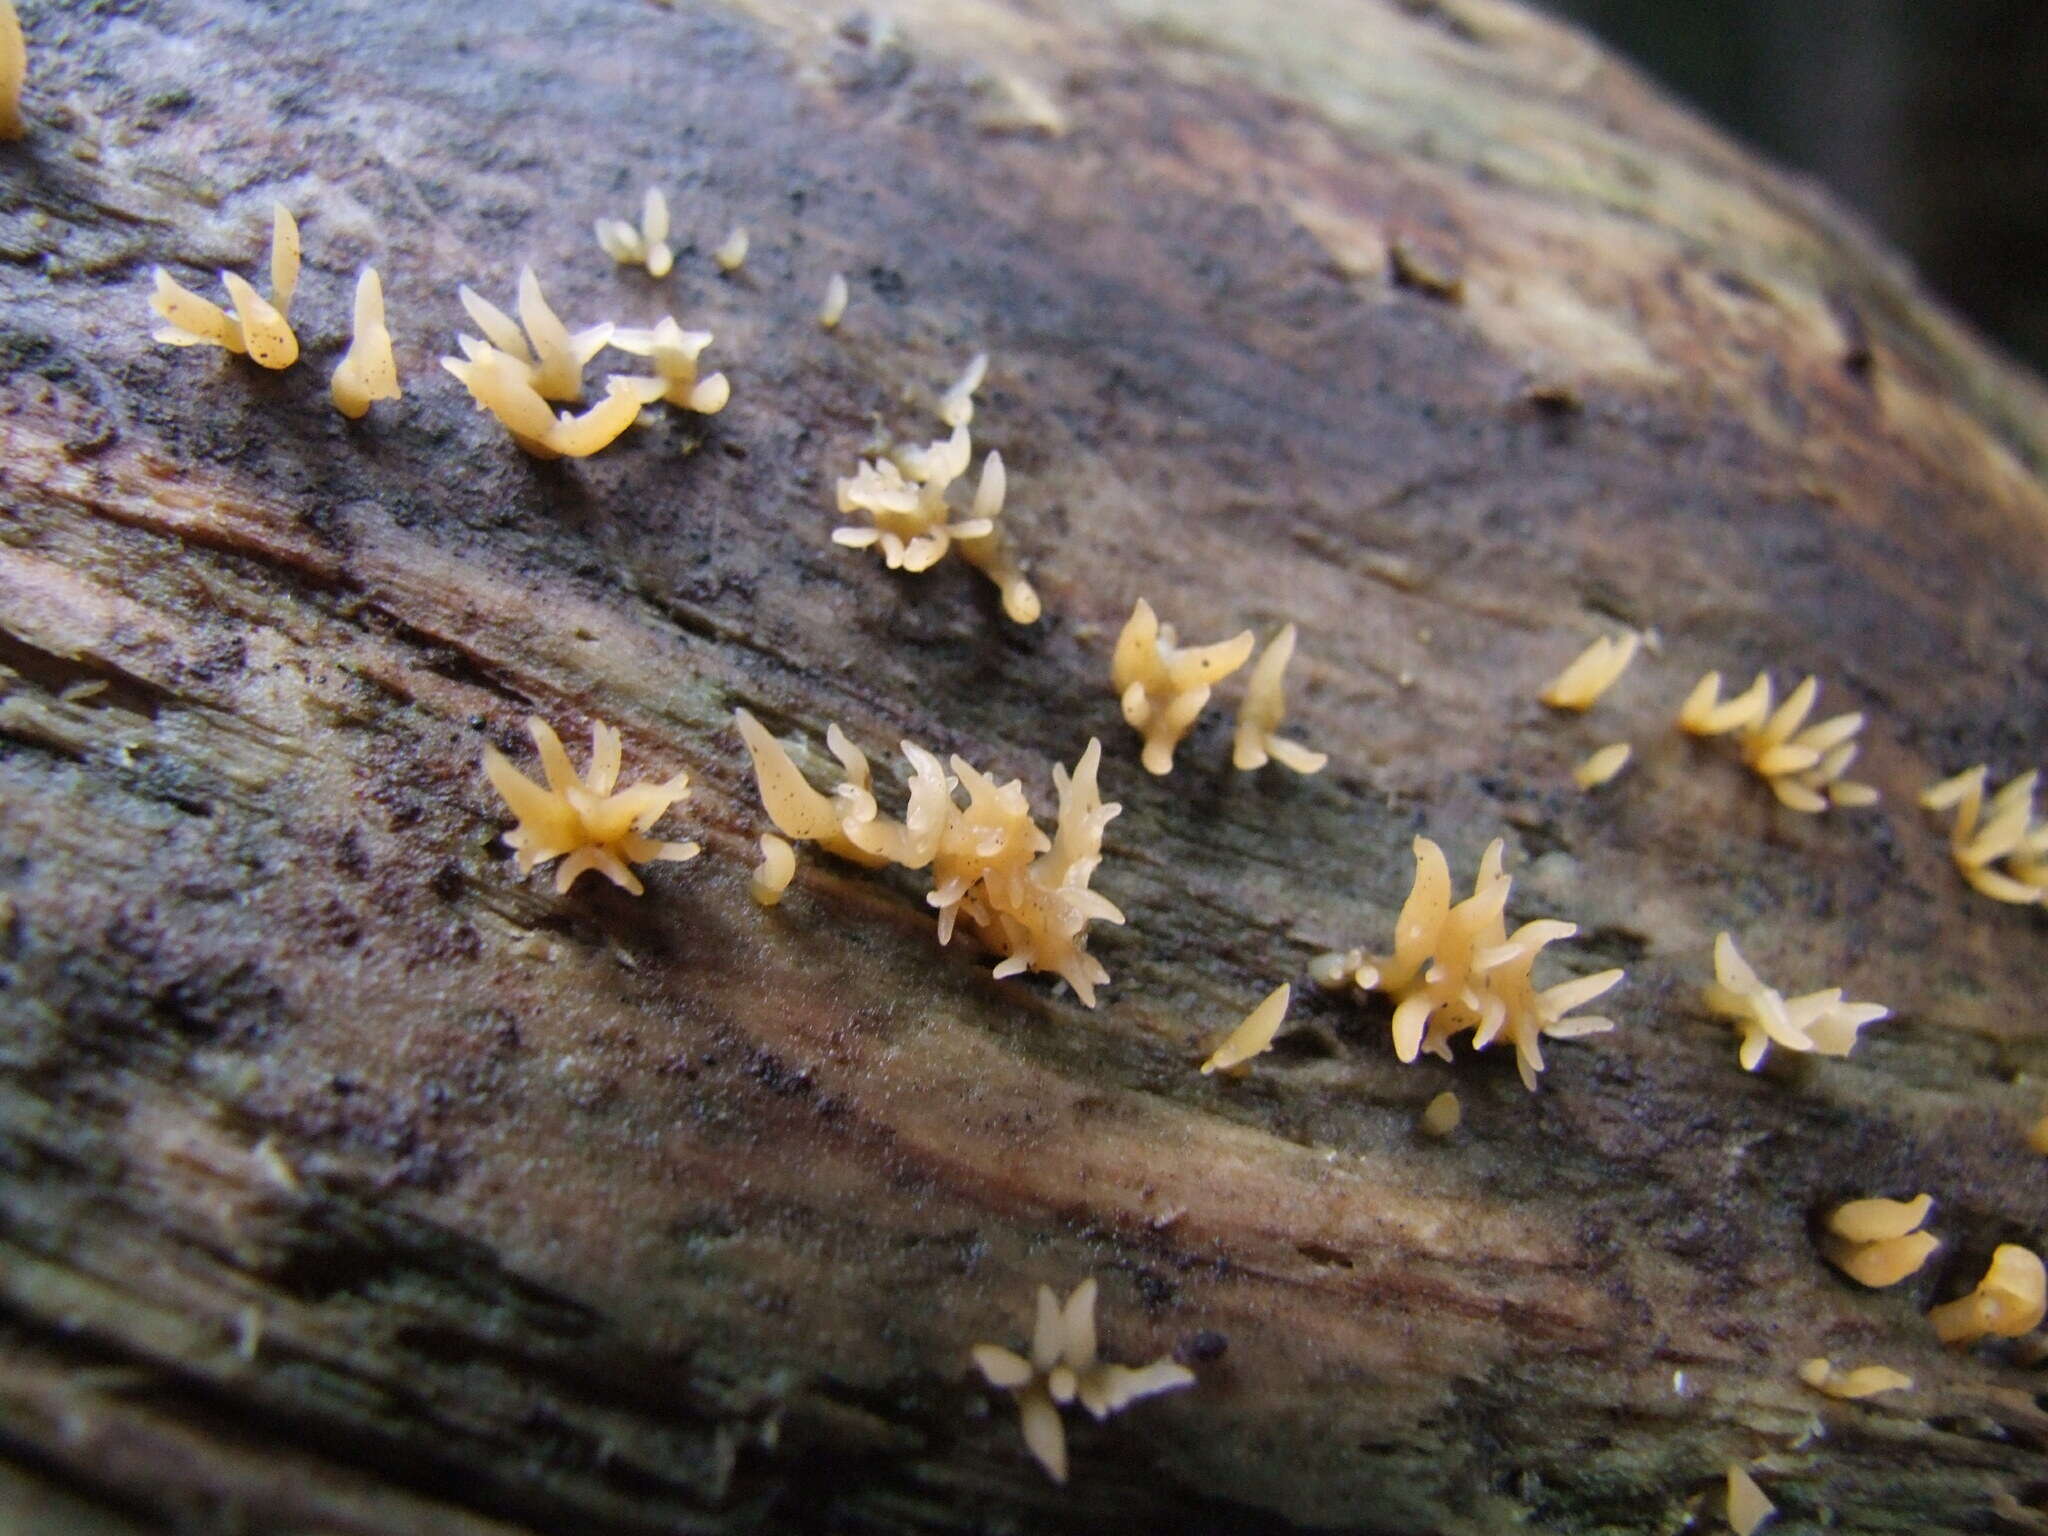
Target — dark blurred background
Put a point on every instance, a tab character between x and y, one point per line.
1928	117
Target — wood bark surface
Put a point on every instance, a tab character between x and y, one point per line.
349	1183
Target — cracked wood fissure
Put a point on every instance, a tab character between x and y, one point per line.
348	1183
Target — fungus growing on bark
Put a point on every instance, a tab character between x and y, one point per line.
1021	893
2002	830
500	384
258	328
587	822
1442	1115
1817	1021
1602	766
1259	716
1252	1037
833	310
1802	763
732	254
906	494
956	406
367	370
2009	1301
646	246
13	71
776	869
1455	968
1591	673
1748	1505
674	353
1163	686
551	356
1863	1381
1064	1368
1878	1242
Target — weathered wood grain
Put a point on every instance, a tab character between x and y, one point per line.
346	1183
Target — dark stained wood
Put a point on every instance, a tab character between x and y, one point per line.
347	1183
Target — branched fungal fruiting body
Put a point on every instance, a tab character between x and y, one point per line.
1817	1021
732	255
1879	1242
906	496
646	246
1456	968
1021	893
587	822
1802	763
1591	673
1603	766
674	352
2000	831
1163	686
1063	1369
552	357
258	328
1264	706
367	370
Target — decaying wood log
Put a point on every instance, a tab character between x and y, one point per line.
351	1184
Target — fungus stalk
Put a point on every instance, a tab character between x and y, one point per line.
1803	764
367	370
1456	969
1254	1036
1063	1368
1592	673
1163	686
1820	1022
587	822
258	328
647	246
1265	704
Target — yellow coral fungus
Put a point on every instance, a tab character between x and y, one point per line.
1163	686
367	370
732	255
1817	1021
1821	1374
552	356
1259	716
1455	968
258	328
647	246
674	352
13	71
2010	1300
1802	763
1878	1242
776	870
1592	673
500	384
1603	766
1985	834
1748	1505
906	495
833	310
1252	1037
1064	1368
1021	893
591	821
956	405
1442	1115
